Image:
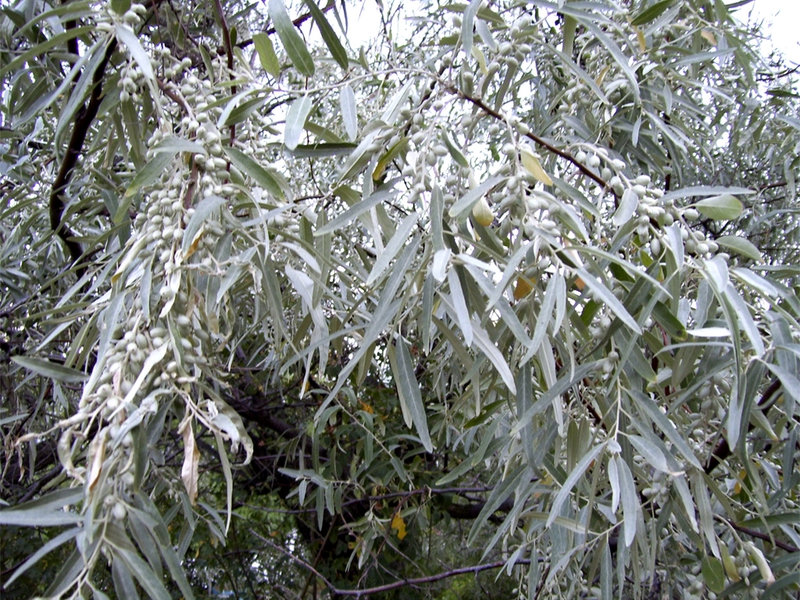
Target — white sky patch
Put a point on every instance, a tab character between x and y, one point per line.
782	24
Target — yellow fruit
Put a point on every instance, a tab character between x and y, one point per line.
523	287
483	212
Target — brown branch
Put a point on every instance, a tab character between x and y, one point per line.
83	122
723	450
226	38
173	95
535	138
763	536
770	186
394	585
427	579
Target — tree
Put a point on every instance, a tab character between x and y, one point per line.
291	316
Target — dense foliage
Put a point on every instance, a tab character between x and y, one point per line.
490	299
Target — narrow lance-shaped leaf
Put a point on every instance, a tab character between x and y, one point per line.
347	101
467	23
630	500
410	395
295	121
50	369
292	41
571	480
605	295
463	205
261	175
460	306
127	37
393	247
328	35
266	54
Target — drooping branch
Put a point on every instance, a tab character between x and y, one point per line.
83	122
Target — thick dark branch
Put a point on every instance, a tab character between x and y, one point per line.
723	450
763	536
83	123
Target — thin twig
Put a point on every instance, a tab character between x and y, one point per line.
535	138
396	584
296	22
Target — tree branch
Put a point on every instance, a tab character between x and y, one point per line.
763	536
535	138
226	38
296	22
86	116
394	585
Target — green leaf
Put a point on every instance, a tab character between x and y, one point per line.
38	518
724	207
627	206
394	246
467	23
409	393
347	102
149	581
605	295
631	509
741	245
120	6
496	498
266	54
494	355
296	120
463	206
572	479
652	454
150	172
292	41
384	193
334	45
142	58
202	211
455	152
745	318
50	369
649	408
40	49
322	150
173	145
260	175
774	590
713	574
651	13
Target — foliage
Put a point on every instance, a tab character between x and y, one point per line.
290	314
